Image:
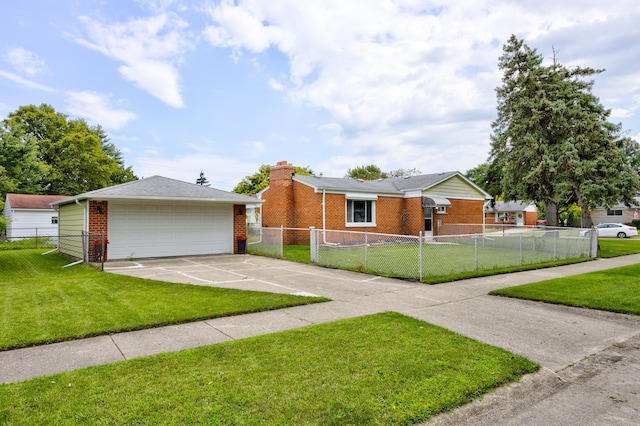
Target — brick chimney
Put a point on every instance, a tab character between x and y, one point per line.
278	208
281	171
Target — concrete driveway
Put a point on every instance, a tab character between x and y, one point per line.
590	359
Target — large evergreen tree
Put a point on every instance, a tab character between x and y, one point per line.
21	170
551	141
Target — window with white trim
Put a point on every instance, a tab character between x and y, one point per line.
361	212
441	209
614	212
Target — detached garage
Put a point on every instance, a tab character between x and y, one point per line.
152	217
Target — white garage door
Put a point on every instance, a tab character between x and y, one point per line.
139	229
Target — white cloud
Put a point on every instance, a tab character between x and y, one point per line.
394	74
222	173
21	80
96	109
25	61
149	48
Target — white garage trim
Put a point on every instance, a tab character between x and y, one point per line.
139	229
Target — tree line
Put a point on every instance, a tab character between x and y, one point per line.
43	151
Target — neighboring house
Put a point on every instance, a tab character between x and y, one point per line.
154	217
405	205
617	214
518	213
29	215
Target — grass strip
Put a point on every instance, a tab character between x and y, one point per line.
41	302
613	247
615	290
380	369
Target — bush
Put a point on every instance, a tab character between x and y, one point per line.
636	223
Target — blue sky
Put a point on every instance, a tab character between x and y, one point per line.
226	86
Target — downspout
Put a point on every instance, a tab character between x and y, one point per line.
324	218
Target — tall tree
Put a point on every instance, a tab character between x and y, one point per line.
368	172
258	181
551	141
78	157
21	170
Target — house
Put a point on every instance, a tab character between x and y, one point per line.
432	204
153	217
619	213
29	215
517	213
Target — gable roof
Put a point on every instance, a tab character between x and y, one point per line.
394	186
32	202
161	188
512	206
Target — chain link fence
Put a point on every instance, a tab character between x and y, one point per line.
422	257
87	248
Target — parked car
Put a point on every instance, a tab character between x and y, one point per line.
619	230
541	222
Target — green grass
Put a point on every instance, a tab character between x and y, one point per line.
41	302
613	247
384	369
616	290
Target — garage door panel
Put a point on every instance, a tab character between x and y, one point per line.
145	230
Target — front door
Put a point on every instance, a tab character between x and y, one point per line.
428	221
520	219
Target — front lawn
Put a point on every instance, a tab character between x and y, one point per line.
41	302
379	369
613	247
616	290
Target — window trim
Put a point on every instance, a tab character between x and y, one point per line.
351	224
614	212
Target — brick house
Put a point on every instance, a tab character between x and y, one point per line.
402	205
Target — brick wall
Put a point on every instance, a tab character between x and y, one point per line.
460	212
98	224
239	223
292	204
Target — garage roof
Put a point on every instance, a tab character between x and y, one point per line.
161	188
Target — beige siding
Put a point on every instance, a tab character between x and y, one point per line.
71	224
455	187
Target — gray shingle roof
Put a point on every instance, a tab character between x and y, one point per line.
396	185
162	188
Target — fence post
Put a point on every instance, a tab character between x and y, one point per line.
555	245
475	245
366	250
420	255
521	259
282	241
312	244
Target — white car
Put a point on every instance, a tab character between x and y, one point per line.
619	230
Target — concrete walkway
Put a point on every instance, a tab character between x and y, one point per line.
590	359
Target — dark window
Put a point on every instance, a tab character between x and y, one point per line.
614	212
360	211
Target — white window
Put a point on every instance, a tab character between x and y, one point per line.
442	210
361	212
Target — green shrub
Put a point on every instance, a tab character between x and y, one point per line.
636	223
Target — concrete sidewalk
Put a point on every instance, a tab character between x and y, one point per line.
569	343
